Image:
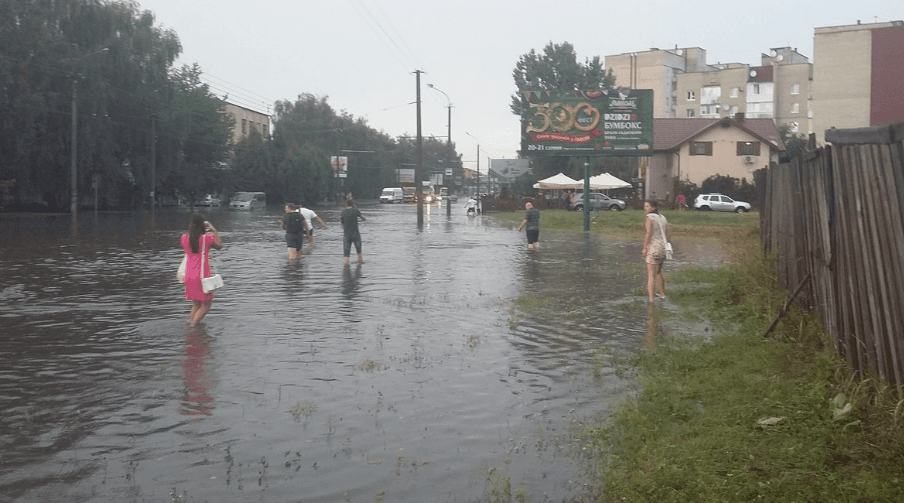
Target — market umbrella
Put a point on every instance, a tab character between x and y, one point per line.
606	181
560	181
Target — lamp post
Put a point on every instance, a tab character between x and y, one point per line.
73	167
448	145
478	170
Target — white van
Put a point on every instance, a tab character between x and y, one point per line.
392	195
248	201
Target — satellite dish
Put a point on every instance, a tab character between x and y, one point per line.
772	52
680	52
779	57
753	73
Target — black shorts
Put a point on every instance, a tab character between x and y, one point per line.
294	240
533	236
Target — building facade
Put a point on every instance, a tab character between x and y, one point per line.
246	121
686	86
693	149
858	78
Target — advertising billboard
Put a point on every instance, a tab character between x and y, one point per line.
588	123
340	165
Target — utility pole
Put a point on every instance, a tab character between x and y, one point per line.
153	163
449	149
586	195
419	167
73	168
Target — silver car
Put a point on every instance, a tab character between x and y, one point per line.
598	202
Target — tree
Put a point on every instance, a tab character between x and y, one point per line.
557	70
794	142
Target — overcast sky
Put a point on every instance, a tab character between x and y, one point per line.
362	54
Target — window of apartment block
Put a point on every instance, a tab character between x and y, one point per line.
795	108
690	112
691	96
748	148
734	92
756	89
795	89
701	148
794	127
244	126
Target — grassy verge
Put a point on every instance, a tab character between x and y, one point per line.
629	224
740	417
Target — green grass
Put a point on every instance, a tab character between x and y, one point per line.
741	418
628	224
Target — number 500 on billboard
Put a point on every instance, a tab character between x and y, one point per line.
584	123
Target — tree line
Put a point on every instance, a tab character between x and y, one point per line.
144	126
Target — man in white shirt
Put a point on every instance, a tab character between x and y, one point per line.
309	217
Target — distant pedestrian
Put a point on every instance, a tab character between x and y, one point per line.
682	203
294	225
350	234
197	244
309	217
532	223
654	248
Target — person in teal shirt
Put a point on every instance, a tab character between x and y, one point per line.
350	234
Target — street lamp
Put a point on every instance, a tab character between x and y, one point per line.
478	170
448	145
73	168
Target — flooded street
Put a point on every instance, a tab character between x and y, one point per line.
452	361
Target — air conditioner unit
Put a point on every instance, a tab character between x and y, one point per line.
748	159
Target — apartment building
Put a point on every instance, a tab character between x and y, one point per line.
247	120
686	86
858	78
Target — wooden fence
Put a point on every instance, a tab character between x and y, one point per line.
834	217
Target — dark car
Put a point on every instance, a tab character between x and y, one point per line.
598	202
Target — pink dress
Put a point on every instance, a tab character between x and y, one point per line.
193	289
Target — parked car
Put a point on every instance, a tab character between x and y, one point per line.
392	195
598	202
719	202
408	195
208	200
248	201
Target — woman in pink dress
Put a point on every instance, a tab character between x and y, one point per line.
196	242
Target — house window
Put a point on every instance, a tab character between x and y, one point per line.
734	92
794	126
691	96
690	112
748	148
244	126
795	108
701	148
795	89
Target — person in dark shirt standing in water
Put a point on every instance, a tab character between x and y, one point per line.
350	234
293	224
532	222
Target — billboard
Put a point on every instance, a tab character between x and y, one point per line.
340	165
588	123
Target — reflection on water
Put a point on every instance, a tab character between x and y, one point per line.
451	353
196	400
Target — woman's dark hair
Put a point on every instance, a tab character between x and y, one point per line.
654	203
196	228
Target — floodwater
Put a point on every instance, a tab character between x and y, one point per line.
451	363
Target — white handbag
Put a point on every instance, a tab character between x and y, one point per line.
668	246
180	272
214	282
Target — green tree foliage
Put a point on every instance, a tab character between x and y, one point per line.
794	142
114	63
558	70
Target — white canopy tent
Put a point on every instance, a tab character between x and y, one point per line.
560	181
606	181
